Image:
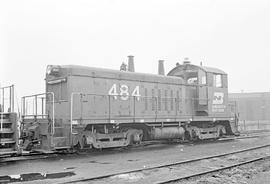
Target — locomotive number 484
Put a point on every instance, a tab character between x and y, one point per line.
124	92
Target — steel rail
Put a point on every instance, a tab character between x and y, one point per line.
215	170
168	165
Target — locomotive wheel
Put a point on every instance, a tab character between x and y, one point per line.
77	147
220	133
194	136
187	135
135	136
84	142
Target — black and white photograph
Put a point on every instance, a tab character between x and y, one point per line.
135	91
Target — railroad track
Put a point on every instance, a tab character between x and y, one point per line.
177	171
36	156
215	170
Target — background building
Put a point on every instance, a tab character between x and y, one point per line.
253	109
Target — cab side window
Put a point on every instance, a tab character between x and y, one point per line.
210	79
218	81
225	81
203	79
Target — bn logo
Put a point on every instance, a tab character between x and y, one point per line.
218	98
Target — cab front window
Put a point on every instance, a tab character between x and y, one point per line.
192	80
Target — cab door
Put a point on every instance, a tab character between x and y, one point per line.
202	89
218	94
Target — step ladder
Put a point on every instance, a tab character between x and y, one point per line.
8	122
60	139
51	138
8	133
51	133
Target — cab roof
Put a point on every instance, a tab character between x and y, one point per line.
180	68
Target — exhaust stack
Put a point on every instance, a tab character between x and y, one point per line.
131	64
161	67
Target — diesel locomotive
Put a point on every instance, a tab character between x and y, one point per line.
85	107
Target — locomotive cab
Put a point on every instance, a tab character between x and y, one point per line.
208	88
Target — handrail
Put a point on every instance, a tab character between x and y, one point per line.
176	101
53	118
35	113
2	115
71	110
11	102
109	115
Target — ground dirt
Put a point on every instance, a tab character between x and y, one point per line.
254	173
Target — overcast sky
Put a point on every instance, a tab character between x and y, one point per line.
233	35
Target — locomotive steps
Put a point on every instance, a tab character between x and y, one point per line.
8	133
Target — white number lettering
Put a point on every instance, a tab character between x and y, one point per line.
113	91
136	92
124	92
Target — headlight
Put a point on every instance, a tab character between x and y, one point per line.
53	70
49	69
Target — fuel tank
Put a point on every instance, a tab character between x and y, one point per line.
167	132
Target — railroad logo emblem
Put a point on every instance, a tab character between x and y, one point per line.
218	98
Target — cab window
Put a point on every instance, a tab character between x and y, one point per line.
218	80
203	79
192	80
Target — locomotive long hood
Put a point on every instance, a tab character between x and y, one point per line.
75	70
